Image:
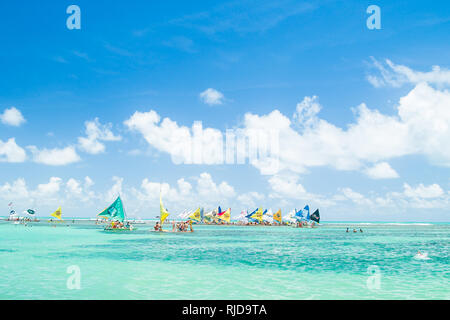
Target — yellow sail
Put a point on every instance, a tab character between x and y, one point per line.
163	214
258	215
277	216
196	215
57	214
226	216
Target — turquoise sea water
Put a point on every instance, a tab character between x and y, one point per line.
226	262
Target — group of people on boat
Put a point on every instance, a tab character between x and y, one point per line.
182	226
121	225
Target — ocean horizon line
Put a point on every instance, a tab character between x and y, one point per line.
368	222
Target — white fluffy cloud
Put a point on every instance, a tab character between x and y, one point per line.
422	191
287	191
185	145
381	170
12	117
96	132
15	190
421	126
411	197
48	190
286	186
202	191
143	200
212	96
356	197
55	157
116	189
391	74
11	152
73	187
417	197
250	199
49	195
208	188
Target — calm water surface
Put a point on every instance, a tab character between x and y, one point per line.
226	262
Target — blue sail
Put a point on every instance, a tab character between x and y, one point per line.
306	208
250	214
299	215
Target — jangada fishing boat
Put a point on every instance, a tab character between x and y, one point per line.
305	220
116	215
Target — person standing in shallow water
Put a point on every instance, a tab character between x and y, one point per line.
347	230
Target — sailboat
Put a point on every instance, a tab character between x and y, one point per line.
115	213
209	217
57	214
316	216
277	216
225	215
163	213
268	216
309	221
196	215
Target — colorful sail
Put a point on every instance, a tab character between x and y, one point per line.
114	212
316	216
207	217
196	215
299	214
226	215
306	209
31	211
210	216
220	213
251	213
258	215
163	213
57	214
268	216
277	216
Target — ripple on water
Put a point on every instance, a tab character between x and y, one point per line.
226	263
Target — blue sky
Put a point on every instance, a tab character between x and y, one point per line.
257	56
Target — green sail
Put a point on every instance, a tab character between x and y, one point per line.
115	211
